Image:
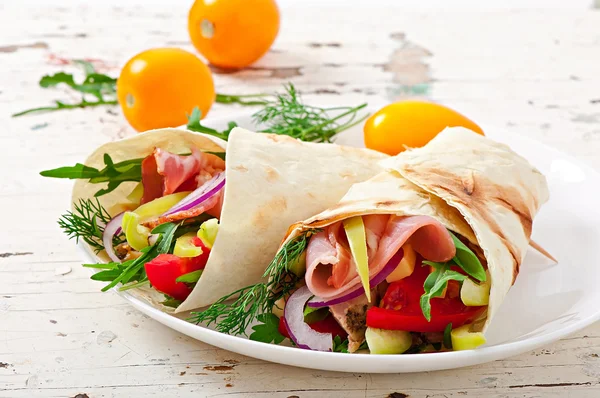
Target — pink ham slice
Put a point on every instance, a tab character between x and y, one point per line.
164	173
330	270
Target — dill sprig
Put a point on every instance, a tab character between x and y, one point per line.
234	317
288	115
86	222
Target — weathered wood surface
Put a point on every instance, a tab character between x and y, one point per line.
531	71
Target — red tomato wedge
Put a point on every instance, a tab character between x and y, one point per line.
164	270
401	310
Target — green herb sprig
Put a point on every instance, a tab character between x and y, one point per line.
286	114
86	222
234	317
103	89
113	173
132	273
97	85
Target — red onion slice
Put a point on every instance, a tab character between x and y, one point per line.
111	229
201	194
377	279
300	332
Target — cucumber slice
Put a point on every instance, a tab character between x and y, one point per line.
383	341
298	266
475	294
464	339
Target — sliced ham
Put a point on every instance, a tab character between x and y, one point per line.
164	173
330	270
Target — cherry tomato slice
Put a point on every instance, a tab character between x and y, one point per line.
326	325
164	270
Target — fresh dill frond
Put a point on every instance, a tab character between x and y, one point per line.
86	222
234	317
288	115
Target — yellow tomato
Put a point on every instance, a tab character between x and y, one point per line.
410	124
157	88
233	33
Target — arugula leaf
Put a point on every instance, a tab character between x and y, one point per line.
467	260
113	173
77	171
268	330
435	284
190	277
448	337
133	270
55	79
102	87
195	124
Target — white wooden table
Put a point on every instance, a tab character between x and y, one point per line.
534	72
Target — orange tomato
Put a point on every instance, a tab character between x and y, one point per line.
233	34
158	88
410	124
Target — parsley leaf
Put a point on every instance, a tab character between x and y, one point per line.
267	331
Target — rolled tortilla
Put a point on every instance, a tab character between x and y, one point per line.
475	187
271	182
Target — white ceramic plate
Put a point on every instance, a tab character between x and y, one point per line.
548	301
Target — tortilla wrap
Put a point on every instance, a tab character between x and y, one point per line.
475	187
271	182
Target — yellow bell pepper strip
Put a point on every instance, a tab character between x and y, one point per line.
136	234
184	246
406	266
208	232
355	231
